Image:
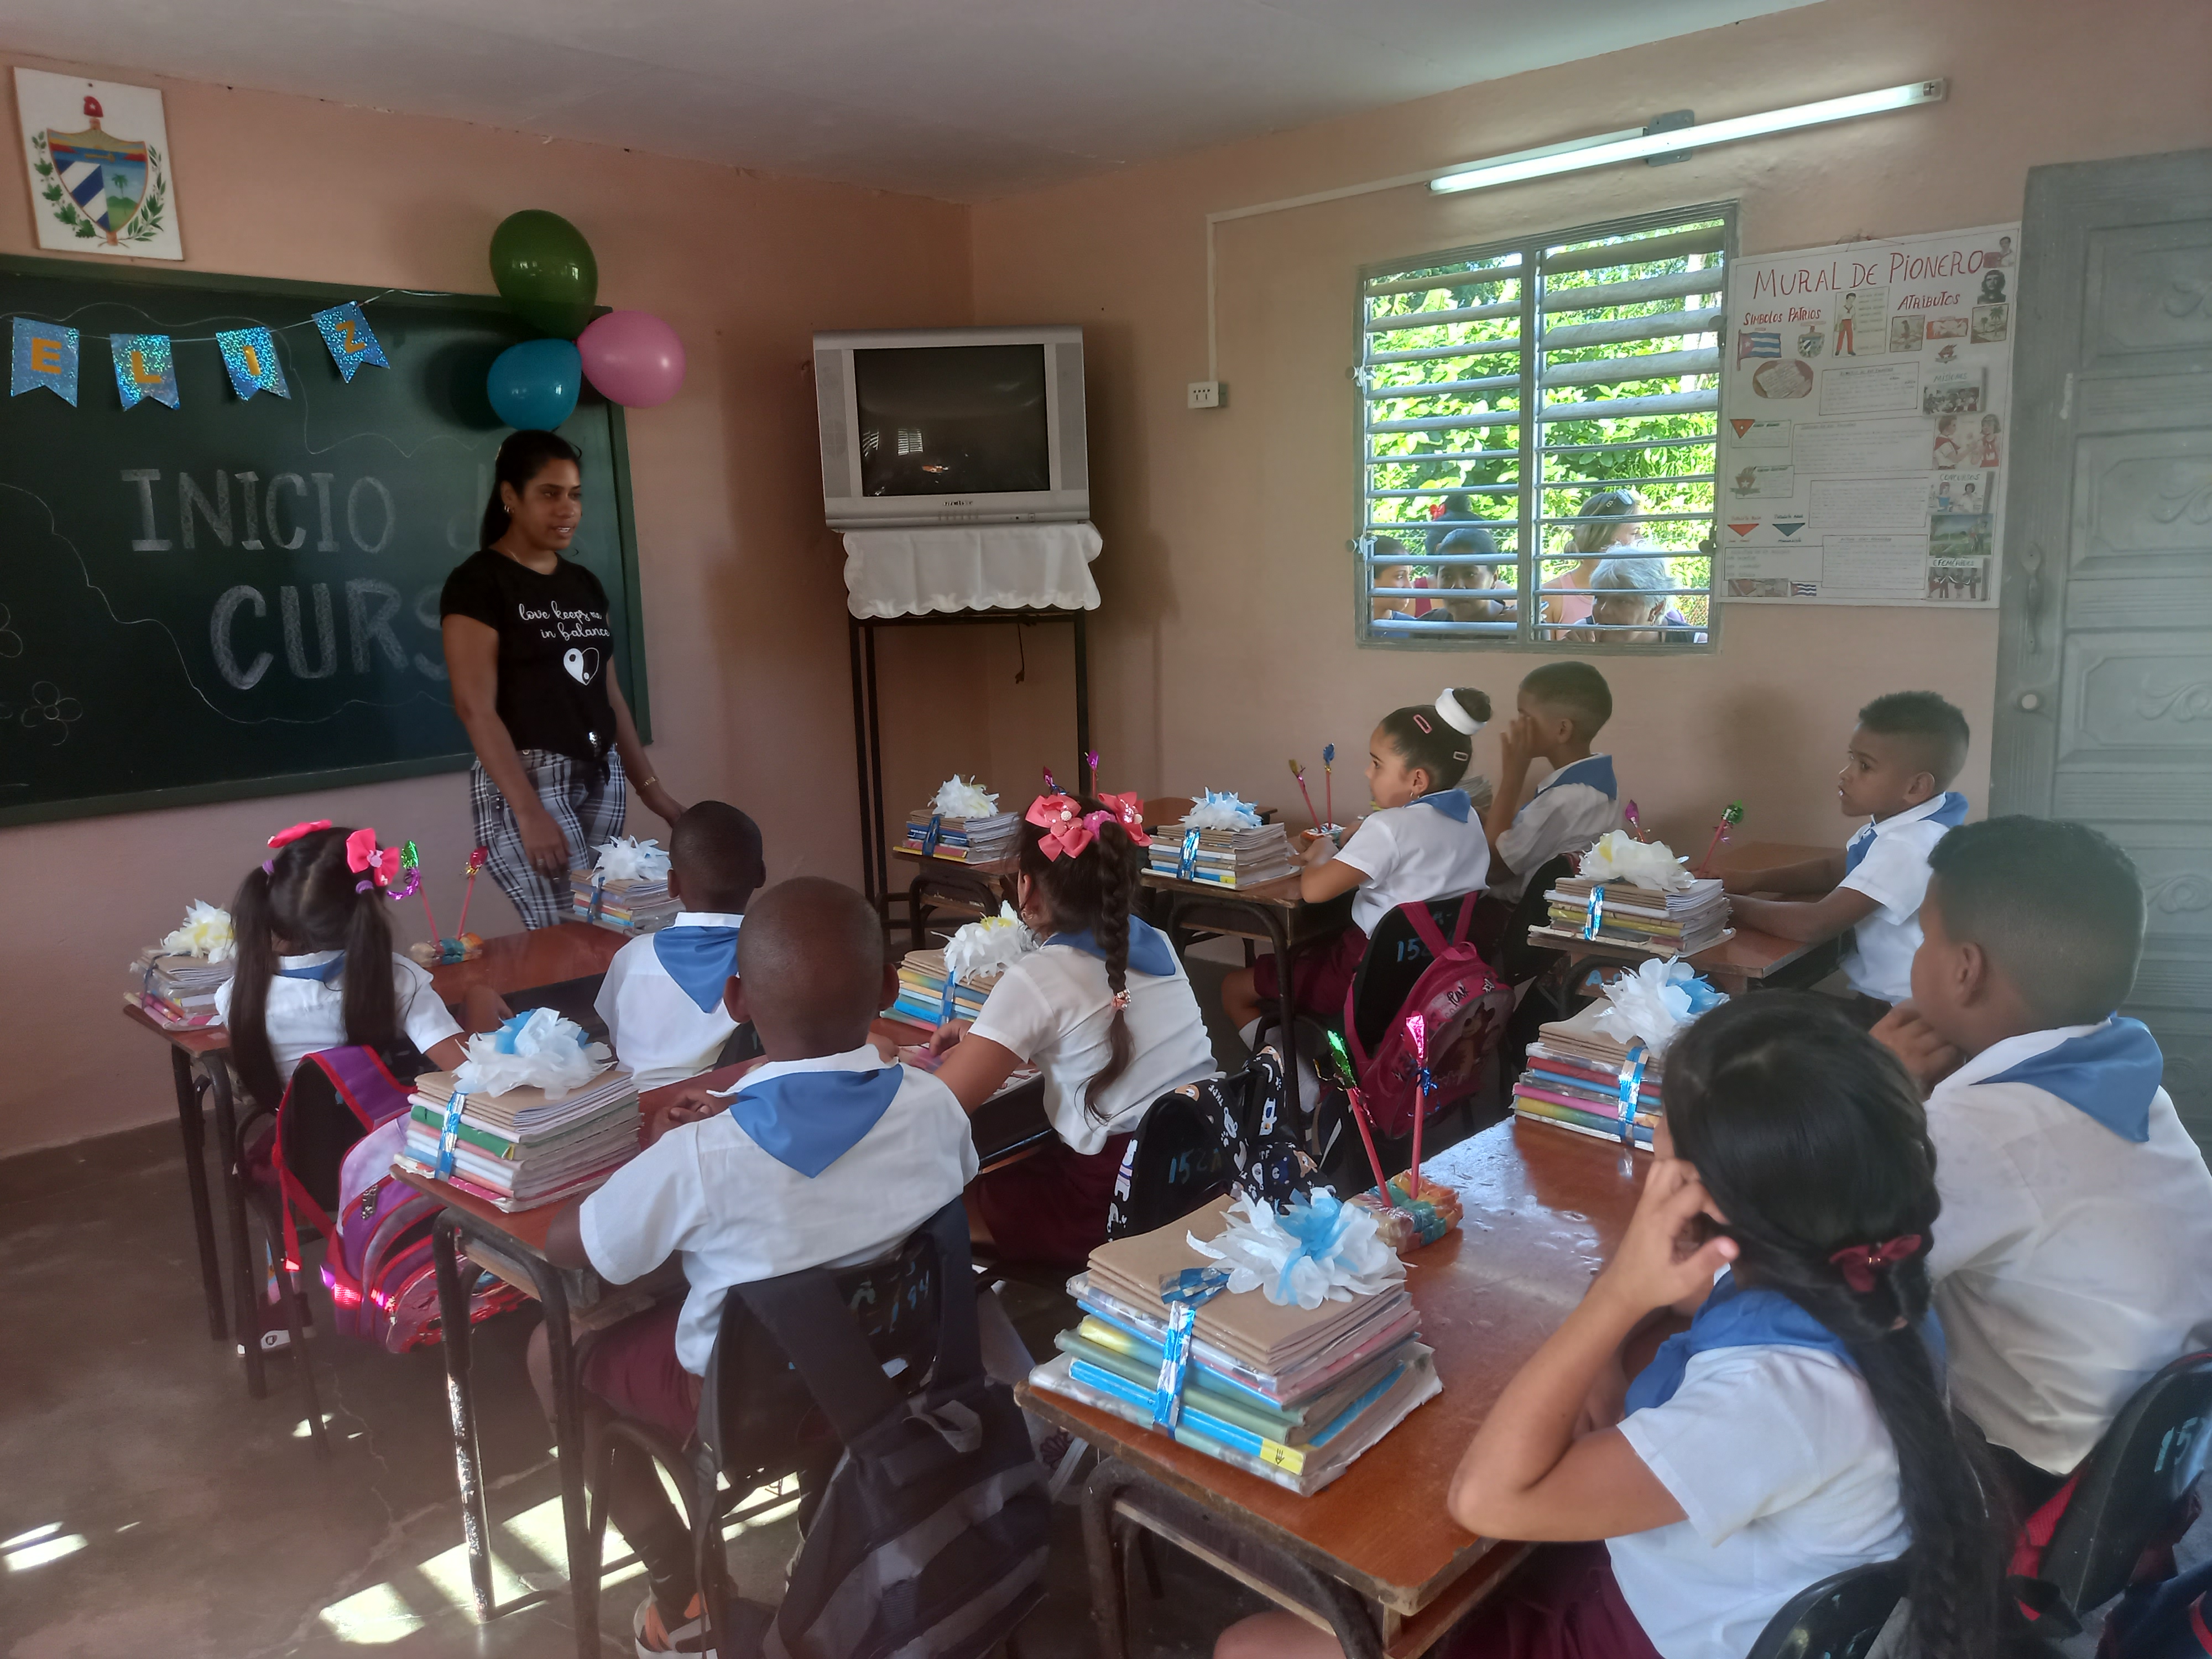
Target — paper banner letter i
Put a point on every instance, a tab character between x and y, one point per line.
352	342
250	355
44	355
143	368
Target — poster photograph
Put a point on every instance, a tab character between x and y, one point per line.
1866	401
98	152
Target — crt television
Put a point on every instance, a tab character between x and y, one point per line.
946	425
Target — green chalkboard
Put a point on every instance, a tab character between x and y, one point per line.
240	597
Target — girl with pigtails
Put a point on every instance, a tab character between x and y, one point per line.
1797	1429
1101	1008
316	968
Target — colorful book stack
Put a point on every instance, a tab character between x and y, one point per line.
965	840
519	1150
1582	1078
1642	918
177	993
631	904
1224	858
1290	1395
921	991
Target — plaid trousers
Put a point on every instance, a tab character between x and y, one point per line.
588	808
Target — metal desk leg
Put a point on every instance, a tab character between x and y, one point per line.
574	1458
191	1123
244	1282
916	935
456	1337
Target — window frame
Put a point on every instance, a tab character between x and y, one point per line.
1528	563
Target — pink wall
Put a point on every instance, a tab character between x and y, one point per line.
1225	644
744	604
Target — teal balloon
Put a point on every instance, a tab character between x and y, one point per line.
533	386
544	268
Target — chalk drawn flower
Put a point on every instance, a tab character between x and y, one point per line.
11	642
51	712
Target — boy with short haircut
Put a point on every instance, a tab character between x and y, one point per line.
1561	706
1897	771
2074	1256
662	997
825	1156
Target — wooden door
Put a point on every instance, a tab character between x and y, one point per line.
2103	708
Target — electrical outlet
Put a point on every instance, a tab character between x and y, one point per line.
1208	394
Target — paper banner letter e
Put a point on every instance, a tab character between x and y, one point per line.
45	354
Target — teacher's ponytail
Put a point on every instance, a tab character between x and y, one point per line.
520	459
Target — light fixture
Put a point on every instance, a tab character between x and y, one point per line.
1605	152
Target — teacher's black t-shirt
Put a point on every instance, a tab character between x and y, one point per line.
554	641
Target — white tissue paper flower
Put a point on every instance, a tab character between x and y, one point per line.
989	946
1220	809
964	797
1619	856
1653	1004
628	859
1317	1250
539	1048
204	931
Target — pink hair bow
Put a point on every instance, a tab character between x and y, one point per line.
1128	811
378	867
1859	1263
1066	827
286	837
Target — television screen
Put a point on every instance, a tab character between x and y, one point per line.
966	420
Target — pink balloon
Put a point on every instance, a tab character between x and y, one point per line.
633	358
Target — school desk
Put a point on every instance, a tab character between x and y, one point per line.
956	883
1374	1554
1008	1126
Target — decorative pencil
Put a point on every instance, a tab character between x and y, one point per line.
1731	816
1051	783
1090	760
1635	824
1416	1033
1328	781
477	860
1360	1115
411	859
1299	773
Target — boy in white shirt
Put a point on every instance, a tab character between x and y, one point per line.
1897	771
1561	707
2074	1257
826	1156
662	997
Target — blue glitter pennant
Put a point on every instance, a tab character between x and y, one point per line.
45	354
351	341
143	368
250	355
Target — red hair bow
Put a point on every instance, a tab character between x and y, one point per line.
286	837
1859	1263
378	867
1069	829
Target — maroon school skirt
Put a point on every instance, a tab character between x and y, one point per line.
1321	977
1562	1604
1051	1206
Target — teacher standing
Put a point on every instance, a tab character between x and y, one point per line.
530	646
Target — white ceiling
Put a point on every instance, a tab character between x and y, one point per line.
959	98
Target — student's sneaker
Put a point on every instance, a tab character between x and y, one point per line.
749	1622
688	1638
273	1335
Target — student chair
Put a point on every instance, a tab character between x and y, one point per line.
1198	1141
2118	1508
1838	1618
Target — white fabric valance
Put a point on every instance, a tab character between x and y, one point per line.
906	573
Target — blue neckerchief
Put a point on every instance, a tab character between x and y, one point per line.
700	959
1950	812
809	1120
1452	803
2112	1073
321	972
1732	1317
1149	950
1594	770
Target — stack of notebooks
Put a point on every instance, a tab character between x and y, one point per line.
1290	1396
1224	858
177	993
519	1150
629	906
921	991
965	840
1642	918
1574	1081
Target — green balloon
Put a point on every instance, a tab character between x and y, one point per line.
544	268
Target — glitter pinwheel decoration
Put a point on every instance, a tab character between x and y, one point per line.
474	867
1299	773
1359	1112
1731	816
1091	765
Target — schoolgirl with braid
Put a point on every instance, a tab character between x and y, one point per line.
1103	1008
1798	1428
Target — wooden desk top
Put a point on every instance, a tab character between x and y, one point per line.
1544	1207
1281	894
1740	857
931	863
201	1040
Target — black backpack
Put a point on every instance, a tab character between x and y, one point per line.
931	1536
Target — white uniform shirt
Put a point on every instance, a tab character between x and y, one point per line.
1410	853
1577	805
305	1016
739	1215
1053	1008
653	1025
1893	873
1785	1474
2069	1262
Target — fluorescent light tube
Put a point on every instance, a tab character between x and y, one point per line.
1510	170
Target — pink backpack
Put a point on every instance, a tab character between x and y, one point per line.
1464	1007
344	1107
